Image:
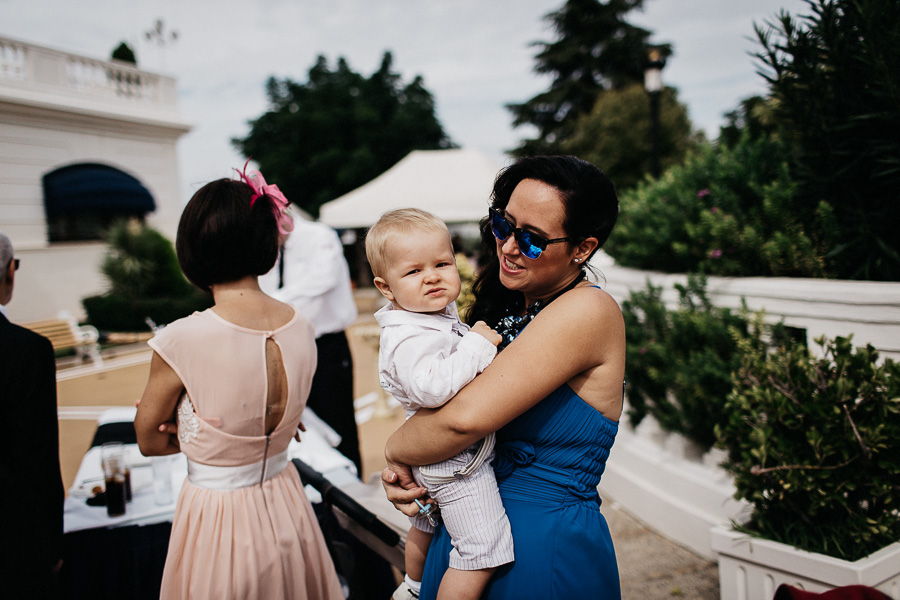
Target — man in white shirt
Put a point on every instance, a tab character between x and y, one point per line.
312	275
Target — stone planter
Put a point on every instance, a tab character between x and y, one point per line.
665	481
752	568
658	476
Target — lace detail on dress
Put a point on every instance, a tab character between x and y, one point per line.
188	423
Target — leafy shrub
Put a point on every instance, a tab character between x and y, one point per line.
679	363
145	281
725	211
811	194
141	263
814	445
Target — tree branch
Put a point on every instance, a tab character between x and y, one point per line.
757	470
859	439
785	391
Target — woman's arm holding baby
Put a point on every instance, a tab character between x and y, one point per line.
576	333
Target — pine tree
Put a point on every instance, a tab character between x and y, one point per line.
595	50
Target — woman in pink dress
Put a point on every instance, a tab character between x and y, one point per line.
237	377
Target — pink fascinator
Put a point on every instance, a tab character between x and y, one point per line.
260	188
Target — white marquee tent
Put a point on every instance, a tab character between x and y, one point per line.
455	185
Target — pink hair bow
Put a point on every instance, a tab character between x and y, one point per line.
260	188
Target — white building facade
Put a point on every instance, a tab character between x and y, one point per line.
61	110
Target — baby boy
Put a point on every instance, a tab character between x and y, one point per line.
427	355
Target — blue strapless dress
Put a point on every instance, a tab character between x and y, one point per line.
548	465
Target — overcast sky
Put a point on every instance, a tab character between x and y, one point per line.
473	54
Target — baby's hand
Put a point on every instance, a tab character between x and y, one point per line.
482	329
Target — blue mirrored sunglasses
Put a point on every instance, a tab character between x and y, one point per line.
530	244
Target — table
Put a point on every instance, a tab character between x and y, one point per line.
123	557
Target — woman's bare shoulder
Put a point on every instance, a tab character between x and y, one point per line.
583	328
587	307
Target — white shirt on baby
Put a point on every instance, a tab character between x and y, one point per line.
426	358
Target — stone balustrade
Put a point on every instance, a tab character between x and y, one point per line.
867	310
41	74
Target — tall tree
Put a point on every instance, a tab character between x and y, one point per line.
615	134
754	117
339	129
835	76
596	50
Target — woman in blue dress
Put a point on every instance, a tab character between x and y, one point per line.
553	395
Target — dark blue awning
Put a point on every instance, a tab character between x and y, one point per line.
93	188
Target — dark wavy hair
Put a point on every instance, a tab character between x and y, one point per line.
221	238
591	206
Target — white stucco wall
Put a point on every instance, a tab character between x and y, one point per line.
56	278
34	143
53	115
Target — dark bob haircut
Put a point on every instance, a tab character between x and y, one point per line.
221	238
591	208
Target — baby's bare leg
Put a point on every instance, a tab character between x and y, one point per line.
417	542
464	585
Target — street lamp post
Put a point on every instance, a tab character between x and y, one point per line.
654	85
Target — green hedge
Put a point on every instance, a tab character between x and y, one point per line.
145	282
813	442
679	362
115	313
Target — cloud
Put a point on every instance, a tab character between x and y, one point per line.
475	56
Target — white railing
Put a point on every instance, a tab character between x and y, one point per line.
867	310
52	74
12	60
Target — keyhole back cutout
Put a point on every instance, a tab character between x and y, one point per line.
276	399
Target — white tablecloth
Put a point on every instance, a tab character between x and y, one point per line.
314	450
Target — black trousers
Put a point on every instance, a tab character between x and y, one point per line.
331	396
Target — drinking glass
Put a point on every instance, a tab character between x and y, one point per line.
162	479
112	457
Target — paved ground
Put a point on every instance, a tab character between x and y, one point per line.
652	567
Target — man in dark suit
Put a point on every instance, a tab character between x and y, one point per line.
31	521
